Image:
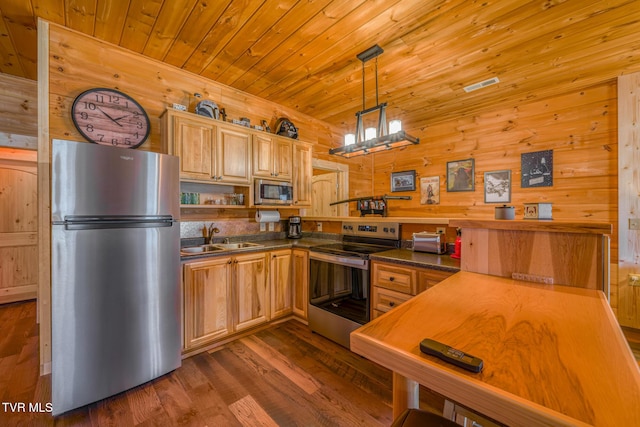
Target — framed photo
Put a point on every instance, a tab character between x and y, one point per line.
497	186
403	181
460	175
430	190
537	169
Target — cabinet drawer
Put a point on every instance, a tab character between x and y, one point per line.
396	278
386	299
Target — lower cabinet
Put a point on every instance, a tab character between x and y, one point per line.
280	276
300	279
250	291
207	298
229	294
393	284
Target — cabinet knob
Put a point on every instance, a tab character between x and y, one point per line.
229	262
391	303
391	279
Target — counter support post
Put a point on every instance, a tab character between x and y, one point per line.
406	394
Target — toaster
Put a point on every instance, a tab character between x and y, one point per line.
429	242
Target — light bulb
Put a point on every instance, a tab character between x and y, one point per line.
349	139
395	126
369	133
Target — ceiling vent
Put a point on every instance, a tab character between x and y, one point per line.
482	84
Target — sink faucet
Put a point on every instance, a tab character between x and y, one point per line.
212	230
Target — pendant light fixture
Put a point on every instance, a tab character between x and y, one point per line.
369	142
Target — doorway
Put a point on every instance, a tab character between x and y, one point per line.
329	184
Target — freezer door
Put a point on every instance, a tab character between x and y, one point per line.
116	310
95	180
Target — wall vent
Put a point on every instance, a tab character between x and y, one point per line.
482	84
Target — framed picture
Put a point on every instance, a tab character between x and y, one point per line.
497	186
460	175
403	181
430	190
537	169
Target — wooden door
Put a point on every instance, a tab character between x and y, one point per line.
18	225
207	294
300	273
325	191
281	286
233	156
251	299
302	174
193	142
262	155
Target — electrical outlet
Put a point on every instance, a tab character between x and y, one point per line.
634	223
442	230
318	226
272	226
263	226
634	279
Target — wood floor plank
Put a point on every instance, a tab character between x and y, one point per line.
145	404
250	414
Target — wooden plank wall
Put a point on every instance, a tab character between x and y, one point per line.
579	127
18	112
629	202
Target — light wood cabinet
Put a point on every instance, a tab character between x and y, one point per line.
393	284
251	290
272	156
300	285
207	297
209	150
302	174
281	289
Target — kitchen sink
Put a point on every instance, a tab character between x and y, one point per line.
195	250
200	249
237	245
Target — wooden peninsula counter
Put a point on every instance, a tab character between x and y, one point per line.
553	355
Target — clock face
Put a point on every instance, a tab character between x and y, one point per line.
110	117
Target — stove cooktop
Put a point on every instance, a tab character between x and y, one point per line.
351	248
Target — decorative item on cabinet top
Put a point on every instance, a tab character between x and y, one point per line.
285	127
208	109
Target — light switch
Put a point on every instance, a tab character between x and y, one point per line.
634	223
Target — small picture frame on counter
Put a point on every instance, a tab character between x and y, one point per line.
538	210
403	181
497	186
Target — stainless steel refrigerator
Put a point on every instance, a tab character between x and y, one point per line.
115	284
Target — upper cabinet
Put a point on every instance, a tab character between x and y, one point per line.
302	174
209	151
272	156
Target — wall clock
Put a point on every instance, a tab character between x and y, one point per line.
110	117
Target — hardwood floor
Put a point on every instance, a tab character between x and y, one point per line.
281	376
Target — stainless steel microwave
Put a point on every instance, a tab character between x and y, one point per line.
268	192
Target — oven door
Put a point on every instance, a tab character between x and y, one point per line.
339	284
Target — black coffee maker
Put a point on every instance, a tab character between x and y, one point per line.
295	227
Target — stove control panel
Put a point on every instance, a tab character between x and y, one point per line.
379	230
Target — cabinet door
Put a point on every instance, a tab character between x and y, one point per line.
300	268
302	174
262	155
193	142
282	157
232	156
206	301
281	288
251	291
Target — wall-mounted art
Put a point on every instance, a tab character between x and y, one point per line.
430	190
403	181
460	175
537	169
497	186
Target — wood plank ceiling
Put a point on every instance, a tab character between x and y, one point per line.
302	53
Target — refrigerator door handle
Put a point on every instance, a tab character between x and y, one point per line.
95	222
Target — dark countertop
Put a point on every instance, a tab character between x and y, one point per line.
265	245
418	259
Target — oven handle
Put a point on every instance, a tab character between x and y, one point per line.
360	263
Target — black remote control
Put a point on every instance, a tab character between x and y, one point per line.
451	355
